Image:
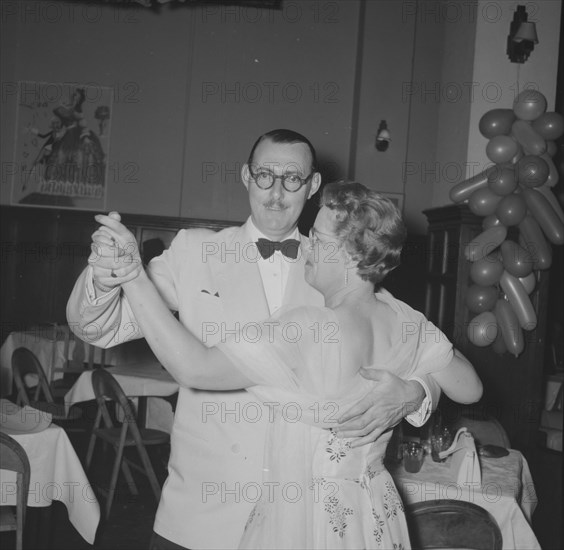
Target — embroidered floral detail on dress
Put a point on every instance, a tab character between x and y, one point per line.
399	546
378	527
338	515
374	469
251	517
337	447
392	502
316	482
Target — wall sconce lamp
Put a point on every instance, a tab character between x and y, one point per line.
522	36
383	137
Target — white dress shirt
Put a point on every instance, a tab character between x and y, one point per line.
274	270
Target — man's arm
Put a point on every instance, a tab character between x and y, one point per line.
391	400
97	310
100	318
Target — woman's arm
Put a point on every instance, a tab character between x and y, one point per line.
459	380
190	362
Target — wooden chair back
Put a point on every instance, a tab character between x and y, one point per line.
24	363
452	524
14	458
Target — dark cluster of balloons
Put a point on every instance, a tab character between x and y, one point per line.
515	192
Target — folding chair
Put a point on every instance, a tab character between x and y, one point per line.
74	363
129	434
25	365
452	524
14	458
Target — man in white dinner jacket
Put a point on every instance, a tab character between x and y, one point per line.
219	283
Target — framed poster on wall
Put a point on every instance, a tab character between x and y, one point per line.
62	144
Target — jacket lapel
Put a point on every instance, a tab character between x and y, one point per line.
238	280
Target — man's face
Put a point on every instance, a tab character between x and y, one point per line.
275	211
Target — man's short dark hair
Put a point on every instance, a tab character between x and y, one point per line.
286	136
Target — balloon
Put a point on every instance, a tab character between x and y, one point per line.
496	122
482	330
490	221
532	171
551	148
516	260
551	198
549	125
532	238
502	180
529	282
529	105
499	345
530	140
501	149
483	202
461	191
545	216
509	326
511	209
552	179
481	298
519	300
486	271
485	243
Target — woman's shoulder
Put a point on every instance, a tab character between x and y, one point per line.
401	308
304	314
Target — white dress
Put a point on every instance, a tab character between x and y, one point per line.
317	491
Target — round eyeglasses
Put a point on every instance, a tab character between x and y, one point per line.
291	182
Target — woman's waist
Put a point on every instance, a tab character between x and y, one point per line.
336	457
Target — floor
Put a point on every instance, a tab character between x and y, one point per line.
131	521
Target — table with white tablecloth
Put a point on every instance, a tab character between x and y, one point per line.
142	380
507	492
56	474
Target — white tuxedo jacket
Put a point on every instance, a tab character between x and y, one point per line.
217	442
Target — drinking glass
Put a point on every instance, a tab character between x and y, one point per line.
441	440
413	455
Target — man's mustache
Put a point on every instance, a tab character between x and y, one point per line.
275	204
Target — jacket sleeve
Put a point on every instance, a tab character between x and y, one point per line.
105	321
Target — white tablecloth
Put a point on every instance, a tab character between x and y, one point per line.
507	492
139	380
56	474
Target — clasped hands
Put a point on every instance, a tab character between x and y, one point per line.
115	257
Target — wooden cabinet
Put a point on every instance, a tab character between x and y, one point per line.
513	391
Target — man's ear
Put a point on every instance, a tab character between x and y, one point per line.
315	183
246	175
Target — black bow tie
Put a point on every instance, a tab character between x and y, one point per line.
289	248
